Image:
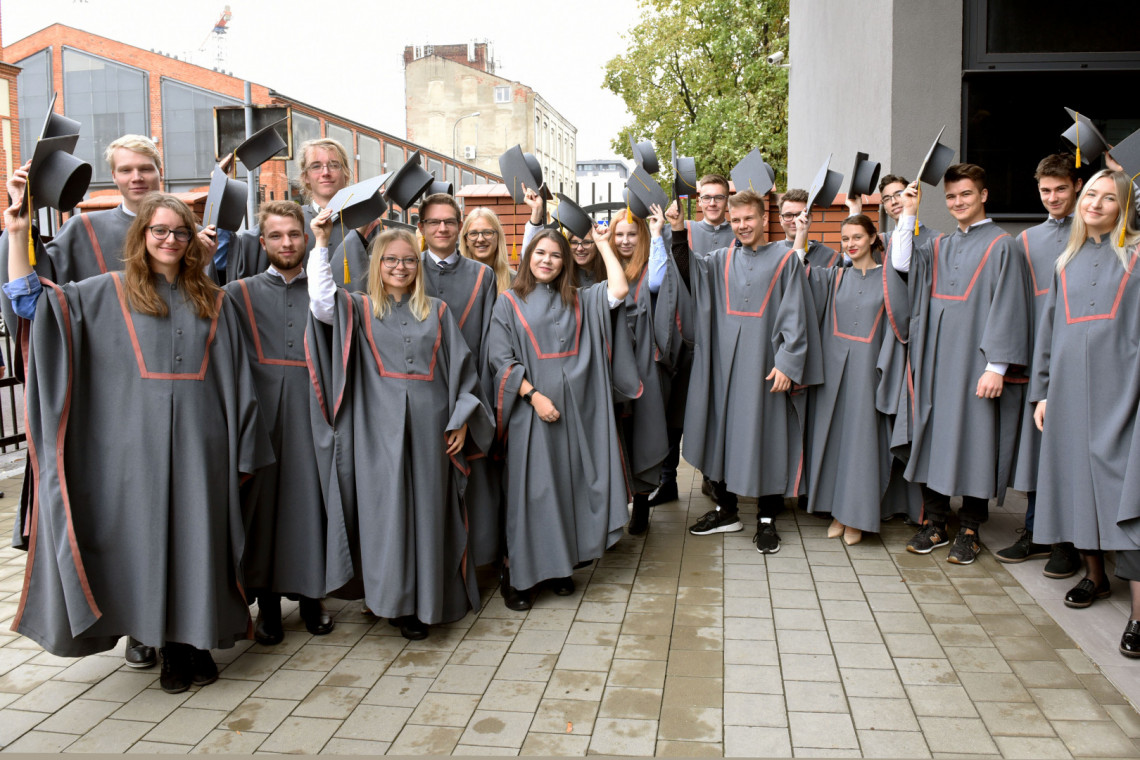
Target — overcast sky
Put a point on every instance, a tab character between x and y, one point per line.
346	56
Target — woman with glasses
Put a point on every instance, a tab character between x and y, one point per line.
142	421
588	265
482	239
1086	385
397	395
558	359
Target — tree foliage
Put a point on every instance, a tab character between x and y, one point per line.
696	72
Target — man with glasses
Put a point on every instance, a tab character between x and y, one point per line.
890	194
792	204
325	171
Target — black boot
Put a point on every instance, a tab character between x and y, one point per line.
317	619
665	493
267	630
639	520
517	600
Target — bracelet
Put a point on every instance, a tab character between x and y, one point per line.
528	396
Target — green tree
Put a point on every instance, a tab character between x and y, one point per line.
696	72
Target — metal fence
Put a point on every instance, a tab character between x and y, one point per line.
12	436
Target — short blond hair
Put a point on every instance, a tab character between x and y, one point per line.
140	144
327	143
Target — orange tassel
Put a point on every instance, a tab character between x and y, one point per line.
917	201
1078	141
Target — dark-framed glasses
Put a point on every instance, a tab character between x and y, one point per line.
162	232
392	262
474	235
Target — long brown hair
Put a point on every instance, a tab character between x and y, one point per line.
635	265
419	303
596	267
566	283
862	220
200	290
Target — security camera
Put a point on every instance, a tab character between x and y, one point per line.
775	59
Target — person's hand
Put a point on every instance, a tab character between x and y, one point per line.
226	162
909	199
532	199
803	224
656	220
1039	416
322	228
15	220
673	214
601	234
855	204
990	385
454	440
1112	163
208	237
780	381
544	408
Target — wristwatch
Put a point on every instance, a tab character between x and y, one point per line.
529	396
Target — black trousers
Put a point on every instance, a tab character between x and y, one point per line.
936	508
767	506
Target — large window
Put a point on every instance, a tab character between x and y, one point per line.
305	128
371	159
188	132
435	168
343	136
1035	33
468	178
109	100
393	157
33	85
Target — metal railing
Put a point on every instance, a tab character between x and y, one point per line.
12	435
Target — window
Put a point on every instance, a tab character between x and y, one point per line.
453	177
468	178
188	131
305	128
109	100
371	159
343	136
33	87
393	157
1034	33
435	168
503	94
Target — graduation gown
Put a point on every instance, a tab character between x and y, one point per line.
285	539
469	290
1041	246
644	433
969	296
925	235
1087	364
247	257
145	537
752	311
566	489
385	392
705	238
863	331
817	254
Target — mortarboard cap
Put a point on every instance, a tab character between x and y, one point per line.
532	163
571	216
684	174
937	161
225	203
359	204
1127	154
56	178
517	172
56	125
1086	138
825	186
261	146
408	183
644	192
644	155
864	177
439	186
753	173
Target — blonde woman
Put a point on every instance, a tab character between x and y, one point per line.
397	395
482	239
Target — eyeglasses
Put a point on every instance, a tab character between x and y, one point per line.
892	197
582	244
474	235
788	216
161	232
713	198
431	224
392	262
332	166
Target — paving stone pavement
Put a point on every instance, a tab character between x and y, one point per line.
671	645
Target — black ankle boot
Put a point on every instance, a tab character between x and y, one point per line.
268	630
639	520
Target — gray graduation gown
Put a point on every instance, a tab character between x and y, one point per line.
644	433
863	330
1041	246
469	290
566	490
355	249
817	254
753	311
1087	364
969	296
285	540
386	390
143	538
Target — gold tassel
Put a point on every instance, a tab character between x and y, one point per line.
31	240
1124	211
347	278
628	215
918	200
1078	141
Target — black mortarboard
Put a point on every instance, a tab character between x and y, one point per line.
752	173
644	155
517	172
439	186
532	163
261	146
1127	154
644	192
408	183
56	125
937	161
56	178
225	203
684	174
571	216
359	204
864	177
1086	138
825	186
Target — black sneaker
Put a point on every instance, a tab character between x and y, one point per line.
767	540
717	521
929	537
1064	562
177	669
1022	549
665	493
203	669
965	549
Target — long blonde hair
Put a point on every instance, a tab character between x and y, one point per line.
1123	231
420	304
143	297
635	264
502	265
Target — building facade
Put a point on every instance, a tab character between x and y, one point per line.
459	106
601	180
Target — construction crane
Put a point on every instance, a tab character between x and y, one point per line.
217	36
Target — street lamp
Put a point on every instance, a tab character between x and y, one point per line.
455	134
